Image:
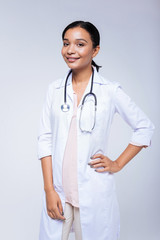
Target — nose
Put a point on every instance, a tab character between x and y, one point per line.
71	49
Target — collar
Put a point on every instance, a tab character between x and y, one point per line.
98	79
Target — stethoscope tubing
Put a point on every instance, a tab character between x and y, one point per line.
91	89
65	107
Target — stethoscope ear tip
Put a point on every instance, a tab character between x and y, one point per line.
65	107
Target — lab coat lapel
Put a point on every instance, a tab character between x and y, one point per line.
69	90
69	99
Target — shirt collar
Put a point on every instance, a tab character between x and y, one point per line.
97	79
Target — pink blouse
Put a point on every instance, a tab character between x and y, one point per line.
69	171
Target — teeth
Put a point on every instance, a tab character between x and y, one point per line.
72	58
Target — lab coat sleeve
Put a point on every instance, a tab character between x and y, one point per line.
141	125
45	131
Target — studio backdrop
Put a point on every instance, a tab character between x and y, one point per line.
30	59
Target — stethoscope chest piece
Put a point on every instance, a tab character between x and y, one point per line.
65	107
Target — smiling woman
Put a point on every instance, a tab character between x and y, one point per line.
78	50
86	37
78	175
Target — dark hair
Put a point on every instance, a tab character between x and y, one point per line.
91	29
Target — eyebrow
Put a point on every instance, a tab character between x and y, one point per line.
81	39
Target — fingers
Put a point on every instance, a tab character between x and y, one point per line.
59	204
102	170
97	165
108	166
61	209
97	156
99	162
102	163
54	205
56	212
99	159
51	214
58	215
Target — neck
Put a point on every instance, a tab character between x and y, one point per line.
82	75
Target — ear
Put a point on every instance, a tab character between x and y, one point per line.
95	51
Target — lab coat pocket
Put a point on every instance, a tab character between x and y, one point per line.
104	183
102	180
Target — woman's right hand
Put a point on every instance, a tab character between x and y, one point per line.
54	205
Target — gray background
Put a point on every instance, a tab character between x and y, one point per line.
30	58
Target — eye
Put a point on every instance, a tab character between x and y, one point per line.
80	44
65	44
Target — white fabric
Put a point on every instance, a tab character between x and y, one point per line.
99	211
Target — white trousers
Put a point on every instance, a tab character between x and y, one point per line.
72	215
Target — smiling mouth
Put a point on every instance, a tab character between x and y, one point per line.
72	59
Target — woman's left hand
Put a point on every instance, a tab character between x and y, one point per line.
99	160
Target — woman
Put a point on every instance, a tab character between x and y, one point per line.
78	175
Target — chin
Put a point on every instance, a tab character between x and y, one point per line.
71	66
78	67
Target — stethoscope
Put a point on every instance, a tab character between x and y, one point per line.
65	106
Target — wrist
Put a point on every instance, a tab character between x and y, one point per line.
49	189
119	165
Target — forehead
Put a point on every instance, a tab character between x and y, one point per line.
77	33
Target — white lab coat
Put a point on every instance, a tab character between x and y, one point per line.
99	211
